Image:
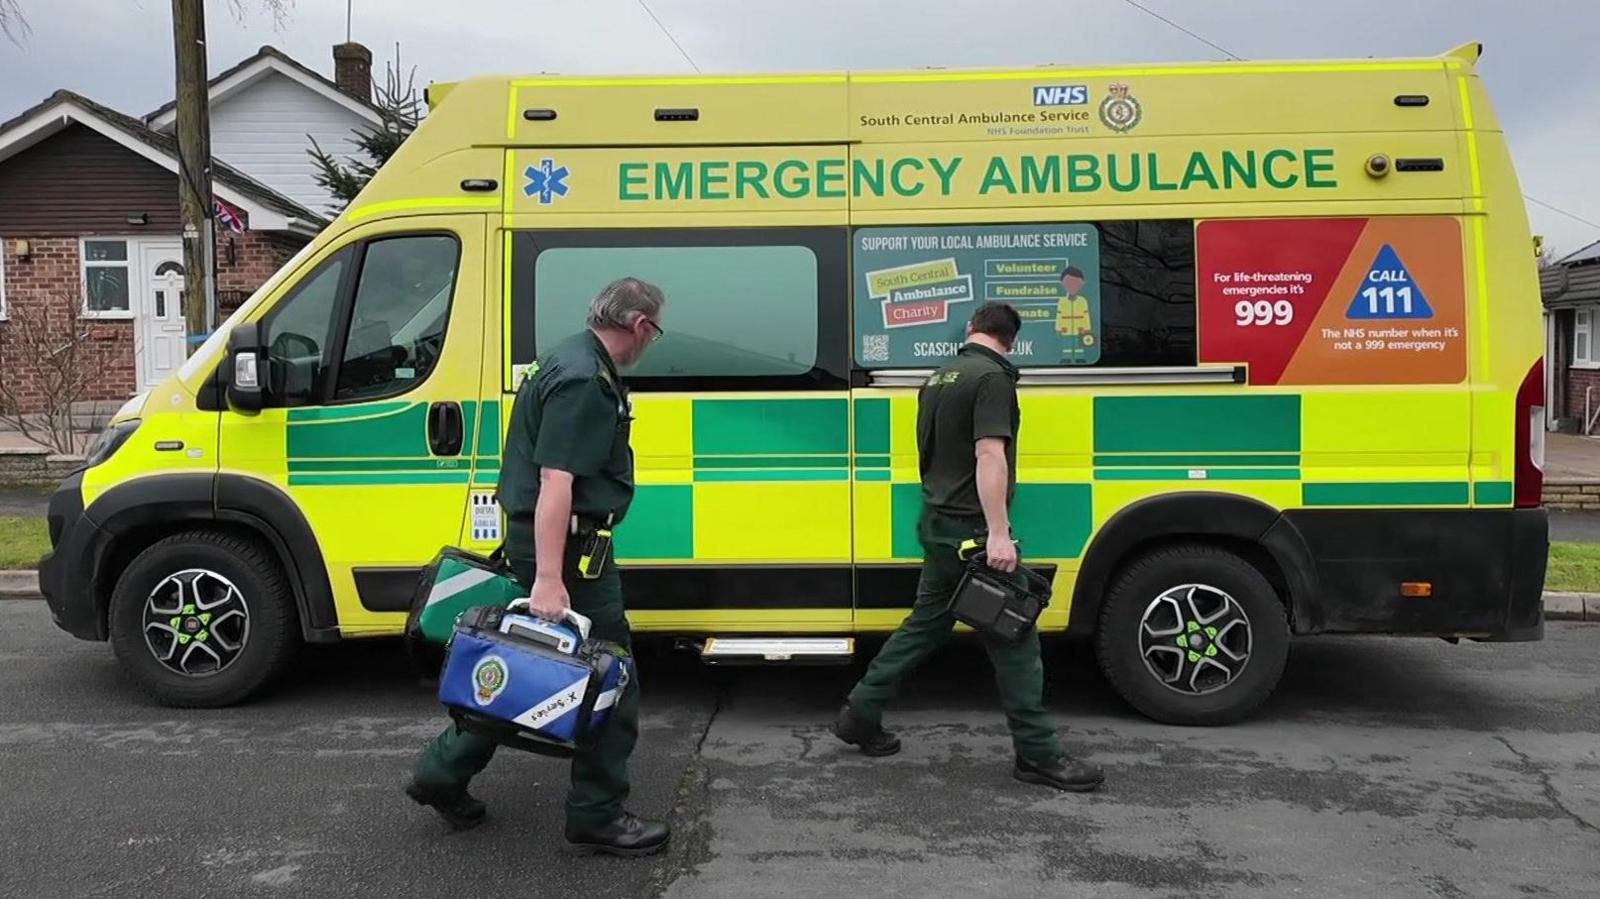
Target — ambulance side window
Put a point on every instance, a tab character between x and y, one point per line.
397	324
298	334
747	309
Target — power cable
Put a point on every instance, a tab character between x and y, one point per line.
656	19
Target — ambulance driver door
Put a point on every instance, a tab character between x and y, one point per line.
373	381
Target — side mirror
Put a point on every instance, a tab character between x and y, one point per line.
246	371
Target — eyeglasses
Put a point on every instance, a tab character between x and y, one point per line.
659	333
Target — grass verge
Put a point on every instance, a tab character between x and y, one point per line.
22	541
1574	567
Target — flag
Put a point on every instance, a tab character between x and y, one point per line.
228	216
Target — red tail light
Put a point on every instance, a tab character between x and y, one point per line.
1530	439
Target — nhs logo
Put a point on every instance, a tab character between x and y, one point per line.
1061	95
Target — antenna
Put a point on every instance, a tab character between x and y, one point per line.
347	5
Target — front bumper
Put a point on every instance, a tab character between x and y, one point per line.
66	573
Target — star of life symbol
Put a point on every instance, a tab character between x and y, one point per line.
547	180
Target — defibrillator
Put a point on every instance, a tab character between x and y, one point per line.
531	684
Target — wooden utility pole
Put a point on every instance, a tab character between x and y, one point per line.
194	163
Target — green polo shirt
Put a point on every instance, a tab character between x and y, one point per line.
973	397
571	413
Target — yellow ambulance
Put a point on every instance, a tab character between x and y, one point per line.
1281	368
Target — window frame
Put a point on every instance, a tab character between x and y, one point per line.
355	253
4	314
348	255
84	264
345	311
829	244
1583	324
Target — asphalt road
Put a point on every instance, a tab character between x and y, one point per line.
24	501
1575	527
1381	768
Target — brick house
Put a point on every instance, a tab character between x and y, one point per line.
1570	289
89	216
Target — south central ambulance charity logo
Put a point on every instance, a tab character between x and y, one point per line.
919	293
546	181
489	679
1120	111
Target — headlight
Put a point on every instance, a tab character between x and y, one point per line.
110	440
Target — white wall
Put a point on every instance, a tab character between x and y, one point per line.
261	131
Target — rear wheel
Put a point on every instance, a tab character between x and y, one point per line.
1192	634
203	619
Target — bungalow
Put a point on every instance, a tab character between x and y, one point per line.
1570	289
89	217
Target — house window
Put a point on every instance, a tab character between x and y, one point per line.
1583	336
106	278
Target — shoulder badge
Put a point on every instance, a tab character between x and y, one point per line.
522	374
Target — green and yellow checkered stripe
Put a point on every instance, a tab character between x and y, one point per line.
742	479
830	478
1052	518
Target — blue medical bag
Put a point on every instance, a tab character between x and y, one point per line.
530	684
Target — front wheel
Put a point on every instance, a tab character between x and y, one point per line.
203	619
1192	634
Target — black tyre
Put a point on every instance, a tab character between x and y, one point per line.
203	619
1192	634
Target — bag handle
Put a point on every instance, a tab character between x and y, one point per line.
579	621
1039	584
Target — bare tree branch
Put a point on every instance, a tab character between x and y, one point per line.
279	10
67	362
13	24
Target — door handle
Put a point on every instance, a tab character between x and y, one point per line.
446	431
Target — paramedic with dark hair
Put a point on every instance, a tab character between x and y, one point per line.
567	459
967	419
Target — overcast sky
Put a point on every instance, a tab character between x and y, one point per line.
1542	62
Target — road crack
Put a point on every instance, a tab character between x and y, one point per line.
691	832
1550	792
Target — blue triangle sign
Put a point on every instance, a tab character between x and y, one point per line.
1388	291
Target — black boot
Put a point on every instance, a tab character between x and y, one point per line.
456	807
627	836
1062	772
871	739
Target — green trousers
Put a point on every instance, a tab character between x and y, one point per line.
1018	670
600	768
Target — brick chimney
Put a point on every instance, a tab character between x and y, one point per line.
352	70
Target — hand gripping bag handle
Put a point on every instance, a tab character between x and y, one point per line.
1038	584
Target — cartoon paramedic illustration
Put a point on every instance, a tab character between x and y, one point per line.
1072	319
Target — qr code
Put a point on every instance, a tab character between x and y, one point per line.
874	348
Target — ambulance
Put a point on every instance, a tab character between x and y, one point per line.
1280	369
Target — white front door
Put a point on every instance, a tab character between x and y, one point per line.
159	338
